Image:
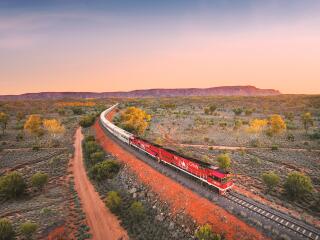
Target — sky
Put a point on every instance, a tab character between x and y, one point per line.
122	45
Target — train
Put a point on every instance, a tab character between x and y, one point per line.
205	172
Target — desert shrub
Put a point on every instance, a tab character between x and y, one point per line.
28	229
298	185
97	156
104	170
6	229
237	124
223	124
290	137
237	111
87	121
39	180
276	124
61	112
257	125
12	185
224	161
270	179
91	147
113	201
255	143
46	212
205	233
77	111
137	210
255	161
248	111
4	119
89	138
19	137
274	147
315	135
307	121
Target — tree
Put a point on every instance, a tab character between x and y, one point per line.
39	180
135	120
137	210
12	185
28	229
113	201
307	121
224	161
298	185
104	170
256	125
33	124
270	179
4	118
205	233
53	126
277	124
6	229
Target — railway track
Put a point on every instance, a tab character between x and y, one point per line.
277	217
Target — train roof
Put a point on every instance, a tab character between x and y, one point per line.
203	164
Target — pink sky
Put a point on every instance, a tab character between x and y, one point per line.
283	56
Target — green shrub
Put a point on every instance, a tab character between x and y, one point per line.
237	111
104	170
270	179
224	161
205	233
274	147
12	185
91	147
315	135
89	138
290	137
97	156
137	210
77	111
28	229
6	229
298	185
87	121
39	180
113	201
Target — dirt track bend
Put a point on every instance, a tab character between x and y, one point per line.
103	224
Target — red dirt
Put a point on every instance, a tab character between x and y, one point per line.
103	224
57	234
179	197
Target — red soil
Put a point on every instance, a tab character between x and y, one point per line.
57	234
103	224
179	197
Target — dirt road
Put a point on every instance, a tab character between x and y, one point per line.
103	224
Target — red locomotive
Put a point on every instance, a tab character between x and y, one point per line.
198	169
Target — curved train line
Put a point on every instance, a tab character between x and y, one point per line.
281	219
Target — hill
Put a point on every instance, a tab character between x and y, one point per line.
214	91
